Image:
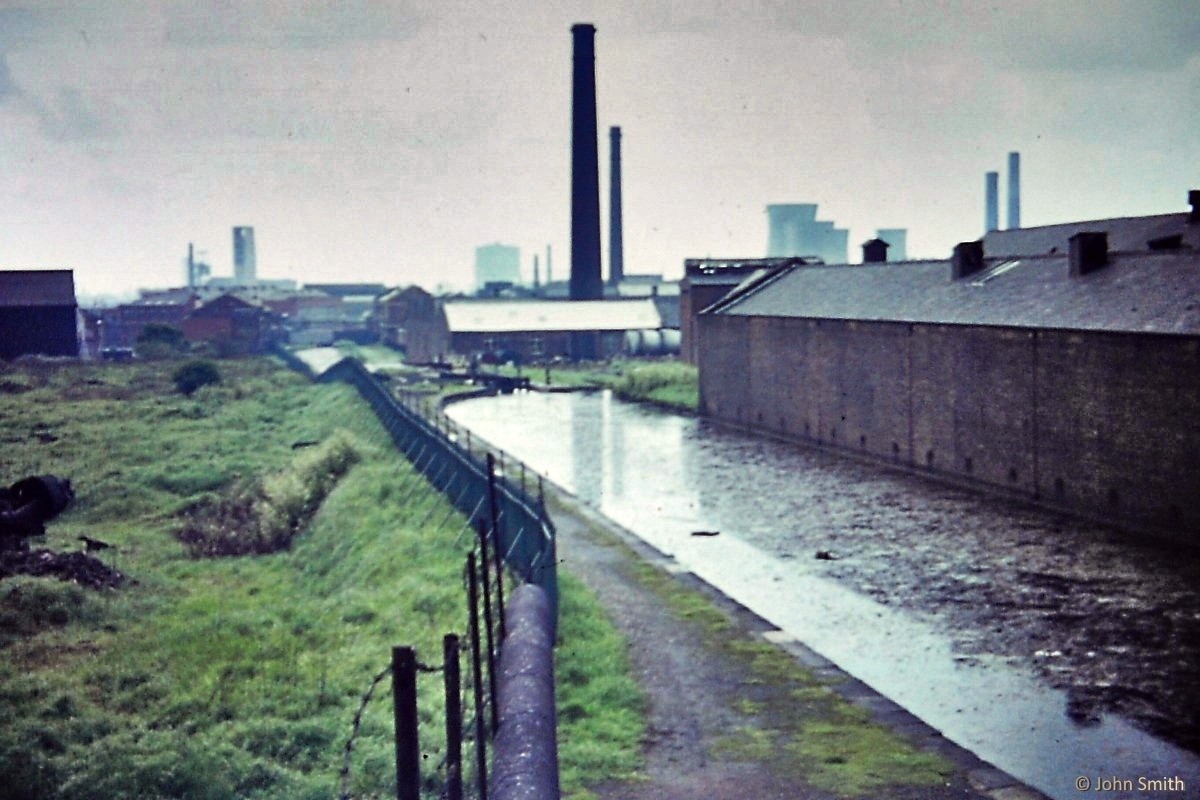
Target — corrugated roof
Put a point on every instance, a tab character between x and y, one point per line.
1124	234
1149	292
509	316
37	287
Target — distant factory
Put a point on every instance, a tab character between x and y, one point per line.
1058	364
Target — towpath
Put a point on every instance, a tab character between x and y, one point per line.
715	729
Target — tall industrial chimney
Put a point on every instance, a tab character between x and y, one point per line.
586	283
191	267
536	277
1014	190
991	216
616	247
549	265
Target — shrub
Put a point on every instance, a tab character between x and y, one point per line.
160	341
194	374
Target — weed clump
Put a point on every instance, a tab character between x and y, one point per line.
194	374
263	516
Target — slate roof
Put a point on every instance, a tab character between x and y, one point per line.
510	316
1146	292
37	287
1124	234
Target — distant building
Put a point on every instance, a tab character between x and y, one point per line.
1057	368
231	325
794	230
245	260
38	313
409	314
120	326
897	239
497	264
528	330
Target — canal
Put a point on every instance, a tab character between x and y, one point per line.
1057	650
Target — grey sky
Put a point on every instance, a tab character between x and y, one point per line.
385	140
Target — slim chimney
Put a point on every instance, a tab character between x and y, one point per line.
191	268
991	217
1088	253
616	248
1014	190
549	265
536	277
586	283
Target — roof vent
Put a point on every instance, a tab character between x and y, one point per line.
1172	242
1194	202
967	259
1089	252
875	251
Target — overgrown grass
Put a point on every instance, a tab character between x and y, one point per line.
264	515
237	677
601	708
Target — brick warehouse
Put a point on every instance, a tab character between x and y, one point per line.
1072	380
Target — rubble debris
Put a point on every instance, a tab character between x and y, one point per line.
80	568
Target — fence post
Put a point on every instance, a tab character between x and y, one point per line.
404	701
476	672
488	625
494	512
453	717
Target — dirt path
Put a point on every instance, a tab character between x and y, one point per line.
699	694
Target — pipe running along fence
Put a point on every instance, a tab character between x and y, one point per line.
508	693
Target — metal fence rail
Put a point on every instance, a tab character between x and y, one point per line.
522	531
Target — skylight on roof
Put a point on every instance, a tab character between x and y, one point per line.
996	272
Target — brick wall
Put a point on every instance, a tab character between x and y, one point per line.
1102	424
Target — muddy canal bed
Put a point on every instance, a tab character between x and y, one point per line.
1113	623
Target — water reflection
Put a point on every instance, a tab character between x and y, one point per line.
966	611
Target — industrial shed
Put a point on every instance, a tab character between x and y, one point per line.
38	313
1072	380
530	330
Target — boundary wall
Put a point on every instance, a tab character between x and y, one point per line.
1100	424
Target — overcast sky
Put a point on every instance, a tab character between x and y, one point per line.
384	141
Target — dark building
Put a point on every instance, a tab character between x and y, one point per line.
1071	379
707	280
38	313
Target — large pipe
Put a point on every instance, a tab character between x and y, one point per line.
616	247
525	758
991	216
586	283
1014	190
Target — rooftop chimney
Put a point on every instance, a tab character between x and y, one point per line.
967	259
1194	202
1014	190
586	283
616	248
991	216
1089	252
875	251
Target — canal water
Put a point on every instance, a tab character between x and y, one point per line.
1057	650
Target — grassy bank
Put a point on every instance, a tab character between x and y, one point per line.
670	383
237	676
